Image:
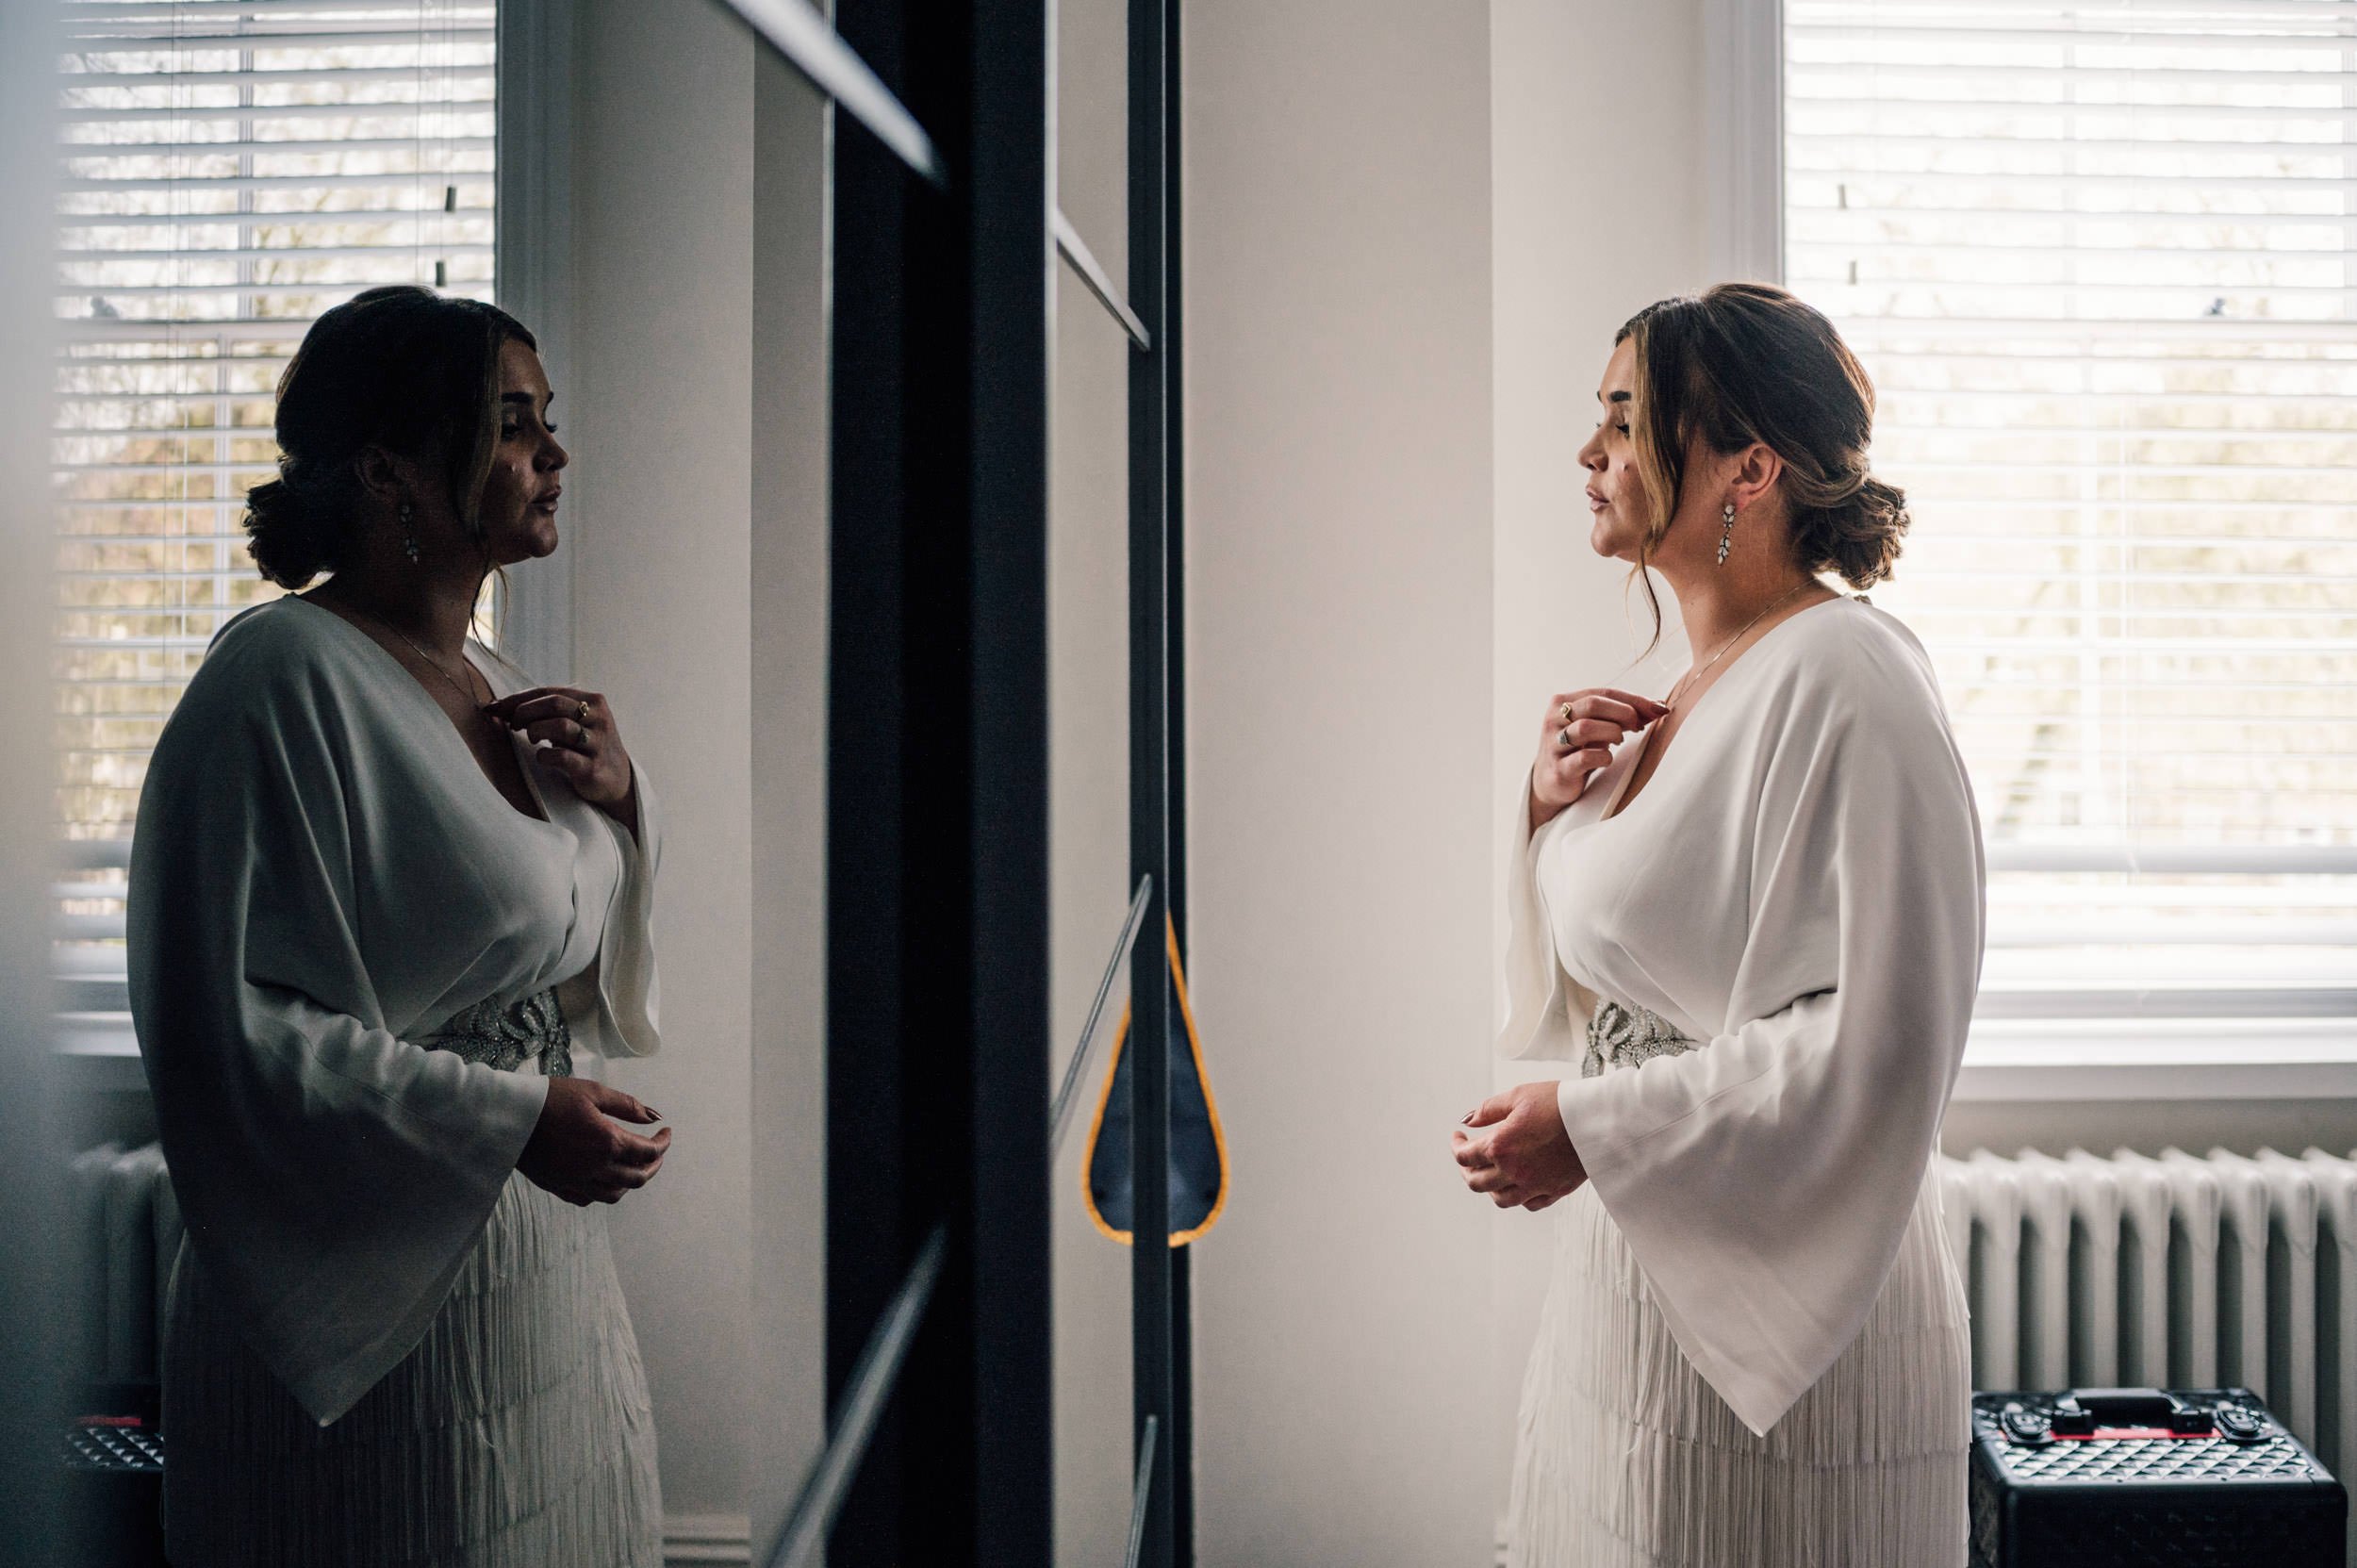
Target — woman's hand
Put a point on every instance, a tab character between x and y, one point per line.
583	744
576	1152
1577	737
1518	1151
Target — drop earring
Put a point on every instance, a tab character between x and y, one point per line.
409	533
1727	531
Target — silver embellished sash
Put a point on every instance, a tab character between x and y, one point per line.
505	1035
1620	1036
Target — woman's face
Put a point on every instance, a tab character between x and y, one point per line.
520	493
1616	496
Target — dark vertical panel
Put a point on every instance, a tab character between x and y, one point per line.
1182	1407
1149	758
1170	348
1006	383
870	1178
937	792
939	1498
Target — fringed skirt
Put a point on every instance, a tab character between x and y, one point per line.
1627	1459
518	1434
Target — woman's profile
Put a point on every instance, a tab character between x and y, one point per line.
387	896
1753	913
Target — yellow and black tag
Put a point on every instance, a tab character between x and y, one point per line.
1198	1150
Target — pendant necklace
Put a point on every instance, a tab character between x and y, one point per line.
463	691
1696	672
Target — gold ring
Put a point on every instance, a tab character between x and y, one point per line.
1566	711
582	717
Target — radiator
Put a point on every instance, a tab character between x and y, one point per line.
121	1231
2179	1272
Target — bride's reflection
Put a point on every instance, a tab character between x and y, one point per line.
388	897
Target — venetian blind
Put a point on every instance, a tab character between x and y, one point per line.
2101	263
232	169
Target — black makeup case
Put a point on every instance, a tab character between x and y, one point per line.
2095	1477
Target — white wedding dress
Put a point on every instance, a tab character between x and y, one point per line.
353	967
1755	1349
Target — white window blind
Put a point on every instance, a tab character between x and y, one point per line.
2101	263
232	169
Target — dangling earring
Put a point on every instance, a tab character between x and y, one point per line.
1727	531
409	533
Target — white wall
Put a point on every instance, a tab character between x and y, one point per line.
1338	275
659	503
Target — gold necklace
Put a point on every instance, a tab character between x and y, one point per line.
1696	672
463	689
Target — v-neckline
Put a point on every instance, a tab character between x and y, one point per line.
523	763
1621	803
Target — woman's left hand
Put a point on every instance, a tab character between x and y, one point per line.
1517	1150
583	743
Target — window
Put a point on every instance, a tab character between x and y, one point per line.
232	169
2101	263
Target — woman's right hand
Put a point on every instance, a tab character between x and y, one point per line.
1577	737
577	1152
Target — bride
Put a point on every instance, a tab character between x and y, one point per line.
387	896
1753	916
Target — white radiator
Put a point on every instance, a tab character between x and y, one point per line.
2178	1272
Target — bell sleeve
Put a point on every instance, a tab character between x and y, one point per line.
332	1176
1541	1023
1765	1180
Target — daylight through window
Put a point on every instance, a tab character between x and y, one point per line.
2101	263
231	168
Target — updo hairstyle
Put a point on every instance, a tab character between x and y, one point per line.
1749	362
400	367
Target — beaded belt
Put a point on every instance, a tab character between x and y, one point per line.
505	1035
1623	1037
